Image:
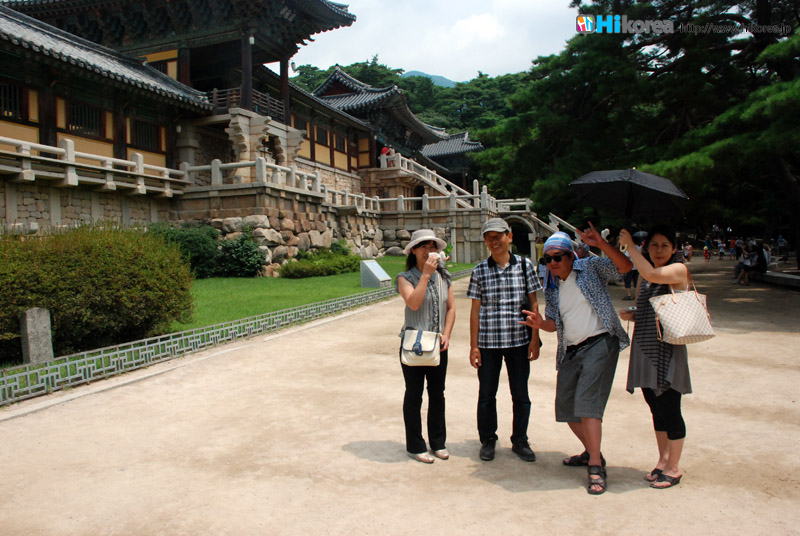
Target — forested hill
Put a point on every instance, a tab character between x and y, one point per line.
437	80
718	113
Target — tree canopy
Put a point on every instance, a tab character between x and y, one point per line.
716	111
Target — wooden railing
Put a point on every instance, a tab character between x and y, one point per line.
262	103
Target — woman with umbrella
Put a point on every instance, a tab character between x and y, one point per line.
660	369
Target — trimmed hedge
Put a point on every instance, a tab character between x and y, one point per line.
102	285
323	261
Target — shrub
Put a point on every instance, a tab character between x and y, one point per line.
102	285
210	257
323	261
198	244
302	269
239	257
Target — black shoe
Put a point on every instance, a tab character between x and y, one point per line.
487	450
523	450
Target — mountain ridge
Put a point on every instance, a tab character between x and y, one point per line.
435	78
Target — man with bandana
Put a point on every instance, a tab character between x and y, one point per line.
590	337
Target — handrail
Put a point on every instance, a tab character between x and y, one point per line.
68	157
433	179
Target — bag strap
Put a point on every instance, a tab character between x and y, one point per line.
438	304
525	273
417	347
689	279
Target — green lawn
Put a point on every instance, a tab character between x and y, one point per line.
224	299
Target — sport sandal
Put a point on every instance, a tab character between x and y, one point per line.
597	477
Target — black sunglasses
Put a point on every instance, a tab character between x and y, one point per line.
557	257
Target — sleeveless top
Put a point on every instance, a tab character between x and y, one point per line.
654	364
431	314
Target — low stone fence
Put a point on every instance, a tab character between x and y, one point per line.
28	381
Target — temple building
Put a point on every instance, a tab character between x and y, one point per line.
140	112
450	156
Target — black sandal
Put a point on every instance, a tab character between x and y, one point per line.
670	480
655	473
580	460
600	480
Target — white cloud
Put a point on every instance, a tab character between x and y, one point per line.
452	39
478	29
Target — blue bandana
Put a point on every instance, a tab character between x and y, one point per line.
558	241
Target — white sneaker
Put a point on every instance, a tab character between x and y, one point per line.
442	454
423	457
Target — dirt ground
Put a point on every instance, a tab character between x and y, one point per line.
301	432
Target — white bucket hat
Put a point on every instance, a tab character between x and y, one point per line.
423	235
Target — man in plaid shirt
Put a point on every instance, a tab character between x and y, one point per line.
499	287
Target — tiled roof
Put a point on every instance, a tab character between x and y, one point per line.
41	38
366	100
144	26
363	98
338	75
455	144
302	95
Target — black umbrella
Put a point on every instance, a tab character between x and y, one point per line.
631	194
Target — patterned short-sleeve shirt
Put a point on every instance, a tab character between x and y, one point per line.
592	276
502	292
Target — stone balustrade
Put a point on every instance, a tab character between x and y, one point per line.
69	168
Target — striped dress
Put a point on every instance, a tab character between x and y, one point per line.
655	364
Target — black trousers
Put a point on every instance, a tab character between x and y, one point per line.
415	378
519	369
666	410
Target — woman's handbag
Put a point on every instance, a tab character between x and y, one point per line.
682	318
420	348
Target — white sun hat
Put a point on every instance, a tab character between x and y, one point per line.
423	235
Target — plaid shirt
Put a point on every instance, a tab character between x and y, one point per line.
501	293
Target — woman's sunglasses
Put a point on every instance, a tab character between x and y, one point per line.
557	257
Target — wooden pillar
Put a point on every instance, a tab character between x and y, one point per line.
120	127
246	101
373	149
47	117
312	135
287	109
332	143
185	66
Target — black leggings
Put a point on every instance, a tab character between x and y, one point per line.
666	410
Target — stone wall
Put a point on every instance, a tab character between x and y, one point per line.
282	234
39	206
333	179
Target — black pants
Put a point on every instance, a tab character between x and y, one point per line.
666	410
519	369
412	405
631	279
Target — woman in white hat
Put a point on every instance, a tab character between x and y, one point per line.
430	306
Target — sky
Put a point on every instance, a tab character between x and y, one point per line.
450	38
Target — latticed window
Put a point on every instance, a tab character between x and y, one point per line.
85	119
145	135
322	136
300	124
10	101
338	143
159	66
